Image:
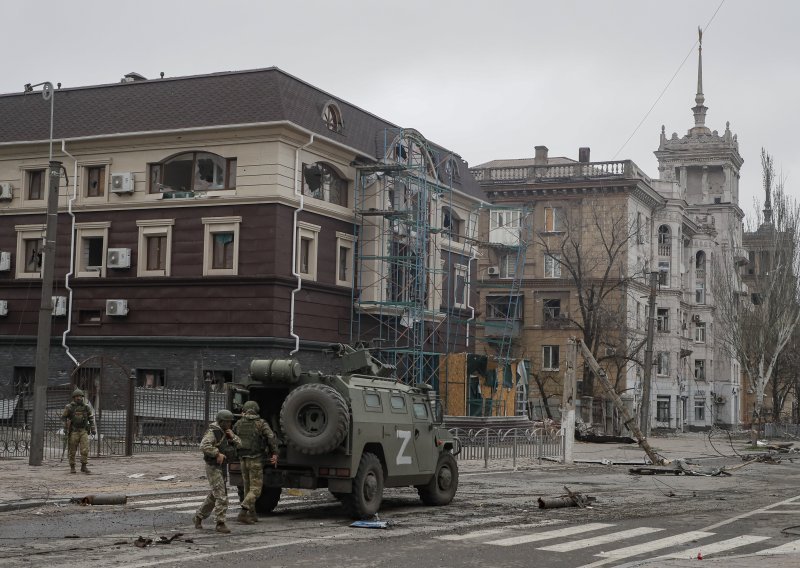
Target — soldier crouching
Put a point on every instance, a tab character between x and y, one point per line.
218	443
255	436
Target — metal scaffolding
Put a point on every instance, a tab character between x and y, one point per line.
403	297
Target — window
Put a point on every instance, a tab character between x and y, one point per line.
307	239
398	403
700	278
91	248
552	309
452	225
155	247
554	220
151	378
90	317
503	307
508	265
700	332
664	241
95	181
344	259
420	410
662	363
193	171
216	378
662	409
699	409
552	265
321	181
504	226
663	273
30	249
662	320
372	400
221	246
700	369
550	357
460	286
36	183
332	117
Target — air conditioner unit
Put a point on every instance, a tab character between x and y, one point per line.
5	261
122	182
719	400
696	318
117	307
3	307
493	270
6	192
119	258
59	305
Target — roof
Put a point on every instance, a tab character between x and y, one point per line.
523	162
227	98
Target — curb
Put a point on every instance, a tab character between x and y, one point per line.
33	503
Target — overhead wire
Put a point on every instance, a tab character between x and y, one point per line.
664	90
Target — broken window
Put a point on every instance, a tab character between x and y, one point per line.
193	171
552	309
95	181
452	225
554	220
321	181
332	117
700	369
663	320
151	378
662	363
662	409
503	307
36	184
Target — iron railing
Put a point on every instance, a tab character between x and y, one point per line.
508	444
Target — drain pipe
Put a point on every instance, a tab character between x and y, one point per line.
71	252
298	190
473	256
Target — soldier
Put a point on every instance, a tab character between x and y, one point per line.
217	445
256	435
78	421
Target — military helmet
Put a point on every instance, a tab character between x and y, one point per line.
251	406
224	416
77	392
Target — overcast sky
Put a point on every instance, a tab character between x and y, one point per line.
486	79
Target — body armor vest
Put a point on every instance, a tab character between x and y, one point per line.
79	416
223	445
253	443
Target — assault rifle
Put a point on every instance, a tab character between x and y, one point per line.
67	432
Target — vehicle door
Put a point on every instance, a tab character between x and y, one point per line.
424	437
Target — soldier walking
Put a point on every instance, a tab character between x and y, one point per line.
256	437
78	421
218	445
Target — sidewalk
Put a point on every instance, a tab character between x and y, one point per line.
30	486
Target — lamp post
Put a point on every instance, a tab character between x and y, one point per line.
45	304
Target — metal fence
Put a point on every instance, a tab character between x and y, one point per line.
791	431
508	444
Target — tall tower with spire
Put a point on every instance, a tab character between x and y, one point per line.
704	164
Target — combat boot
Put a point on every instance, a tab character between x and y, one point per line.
72	468
198	522
222	528
253	516
85	469
244	517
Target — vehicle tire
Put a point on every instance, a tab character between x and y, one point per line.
442	487
240	491
314	419
367	495
268	500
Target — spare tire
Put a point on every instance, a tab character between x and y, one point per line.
314	419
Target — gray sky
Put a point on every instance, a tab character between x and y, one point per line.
487	79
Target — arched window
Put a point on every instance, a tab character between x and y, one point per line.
332	117
410	149
321	181
193	171
664	241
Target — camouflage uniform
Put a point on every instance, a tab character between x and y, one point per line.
215	442
256	436
78	422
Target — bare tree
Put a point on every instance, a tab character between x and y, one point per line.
756	319
592	252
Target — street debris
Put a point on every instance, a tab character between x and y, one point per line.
143	542
111	499
571	499
135	475
165	478
781	447
371	524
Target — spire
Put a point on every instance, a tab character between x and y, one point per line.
700	109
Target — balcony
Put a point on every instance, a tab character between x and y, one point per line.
620	169
502	328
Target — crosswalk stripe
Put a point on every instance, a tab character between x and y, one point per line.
714	547
787	548
603	539
655	544
566	531
489	532
173	506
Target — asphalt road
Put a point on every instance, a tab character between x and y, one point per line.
494	521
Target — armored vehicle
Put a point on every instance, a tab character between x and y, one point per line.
353	433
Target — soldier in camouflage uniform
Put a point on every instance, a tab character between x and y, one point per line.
256	437
218	444
78	421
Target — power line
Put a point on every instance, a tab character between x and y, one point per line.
664	90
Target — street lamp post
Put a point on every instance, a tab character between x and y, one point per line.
45	304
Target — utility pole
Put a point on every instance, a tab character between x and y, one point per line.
648	356
46	301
